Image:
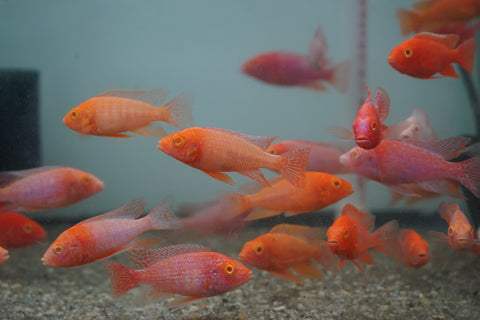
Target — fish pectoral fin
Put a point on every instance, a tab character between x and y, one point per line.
308	269
317	86
225	178
449	72
155	295
120	135
175	304
151	130
366	257
359	267
256	175
260	213
287	275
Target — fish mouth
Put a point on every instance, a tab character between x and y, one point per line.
45	262
242	257
332	243
160	146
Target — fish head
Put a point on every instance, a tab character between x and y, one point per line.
227	274
80	118
341	237
460	236
182	146
83	185
329	188
367	127
256	253
417	254
22	230
278	148
405	57
256	66
361	161
63	252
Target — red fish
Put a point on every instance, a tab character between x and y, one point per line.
187	269
434	14
45	188
427	54
290	246
290	69
114	112
108	234
17	230
319	191
413	251
3	255
324	156
214	151
348	237
460	232
413	161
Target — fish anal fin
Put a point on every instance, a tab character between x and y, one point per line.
359	267
178	303
366	257
317	86
223	177
449	71
308	269
151	131
287	275
256	175
260	213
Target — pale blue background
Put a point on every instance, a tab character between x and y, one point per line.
83	48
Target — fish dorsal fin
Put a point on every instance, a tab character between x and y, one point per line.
447	210
262	142
446	148
317	53
146	257
366	219
382	102
424	5
8	177
153	97
448	40
309	234
130	210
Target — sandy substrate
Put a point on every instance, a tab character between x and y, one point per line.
449	288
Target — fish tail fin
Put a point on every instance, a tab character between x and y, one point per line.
386	238
409	21
123	278
470	177
466	54
179	111
327	258
162	217
235	202
340	76
293	165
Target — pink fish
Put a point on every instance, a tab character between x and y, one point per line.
108	234
291	69
415	127
413	161
187	269
324	156
45	188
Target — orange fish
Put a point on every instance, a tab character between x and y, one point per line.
45	188
427	54
308	71
214	151
348	237
108	234
413	251
395	162
290	246
187	269
434	14
319	191
3	255
324	156
17	230
114	112
460	232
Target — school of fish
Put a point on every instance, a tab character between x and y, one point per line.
406	156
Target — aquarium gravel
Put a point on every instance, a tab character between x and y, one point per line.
446	288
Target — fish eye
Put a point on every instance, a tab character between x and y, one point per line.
74	114
258	249
86	180
178	140
355	154
451	231
470	229
346	234
229	268
373	126
274	152
27	228
407	52
58	249
337	184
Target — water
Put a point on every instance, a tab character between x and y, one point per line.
81	49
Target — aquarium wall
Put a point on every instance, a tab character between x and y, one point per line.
81	49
